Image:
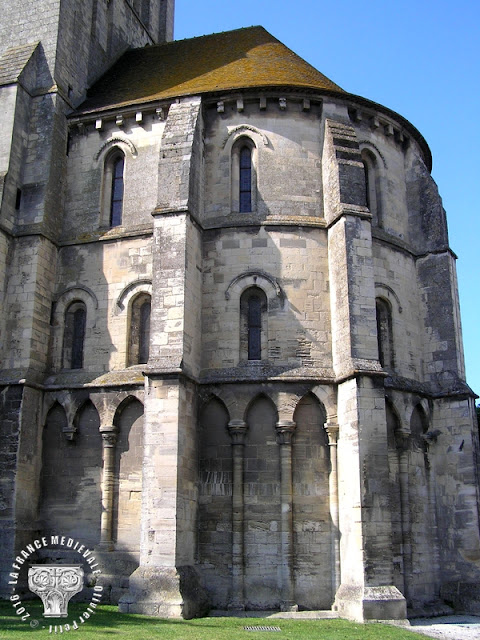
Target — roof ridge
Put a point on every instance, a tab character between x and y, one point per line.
205	35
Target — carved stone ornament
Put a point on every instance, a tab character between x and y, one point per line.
285	430
55	585
109	438
332	430
69	432
237	430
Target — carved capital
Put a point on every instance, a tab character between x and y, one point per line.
285	430
238	430
69	432
332	430
109	436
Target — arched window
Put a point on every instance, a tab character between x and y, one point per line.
367	184
372	186
139	331
116	202
254	328
113	189
244	178
384	333
245	183
74	335
253	309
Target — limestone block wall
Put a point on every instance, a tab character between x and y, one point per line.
30	285
9	145
11	400
288	143
455	462
298	322
395	274
107	275
87	207
242	531
74	505
443	348
81	41
387	151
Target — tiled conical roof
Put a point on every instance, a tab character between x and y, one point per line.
244	58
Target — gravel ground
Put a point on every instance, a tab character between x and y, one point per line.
448	627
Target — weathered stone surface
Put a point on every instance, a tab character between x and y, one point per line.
314	473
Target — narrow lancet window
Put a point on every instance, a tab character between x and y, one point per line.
74	336
367	185
254	328
144	338
139	333
116	204
245	194
384	333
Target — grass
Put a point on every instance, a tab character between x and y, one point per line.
108	623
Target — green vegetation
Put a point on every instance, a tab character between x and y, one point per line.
108	623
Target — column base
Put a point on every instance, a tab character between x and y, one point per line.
370	603
165	592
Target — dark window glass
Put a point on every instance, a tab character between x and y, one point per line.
144	341
139	331
367	184
384	334
254	328
116	204
245	179
79	320
74	336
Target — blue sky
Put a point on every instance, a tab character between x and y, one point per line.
419	58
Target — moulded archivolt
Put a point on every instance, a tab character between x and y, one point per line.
241	129
132	289
117	141
255	278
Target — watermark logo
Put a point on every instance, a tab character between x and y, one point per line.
55	584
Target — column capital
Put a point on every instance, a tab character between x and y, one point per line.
70	431
238	430
109	437
108	428
285	430
332	430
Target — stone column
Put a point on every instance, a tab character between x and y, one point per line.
109	443
331	427
402	444
285	430
237	430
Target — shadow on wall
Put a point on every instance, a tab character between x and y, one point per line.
95	502
261	558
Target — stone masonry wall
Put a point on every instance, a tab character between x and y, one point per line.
299	326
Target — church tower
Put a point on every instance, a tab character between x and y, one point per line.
51	51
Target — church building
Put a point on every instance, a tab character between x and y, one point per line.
230	342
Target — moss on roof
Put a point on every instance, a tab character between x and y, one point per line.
244	58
